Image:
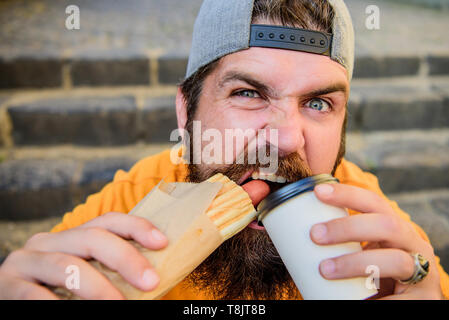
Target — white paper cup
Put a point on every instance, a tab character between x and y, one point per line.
288	214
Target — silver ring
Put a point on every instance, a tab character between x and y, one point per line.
421	269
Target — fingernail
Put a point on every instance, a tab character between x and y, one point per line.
150	279
319	232
157	235
324	189
328	267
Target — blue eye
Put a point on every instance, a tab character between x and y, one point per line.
247	94
319	104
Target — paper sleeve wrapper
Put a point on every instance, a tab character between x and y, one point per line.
179	211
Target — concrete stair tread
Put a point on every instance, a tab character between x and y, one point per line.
403	160
391	148
50	181
153	25
92	119
148	42
391	88
14	234
399	104
74	152
430	210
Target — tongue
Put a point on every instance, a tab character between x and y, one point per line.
257	190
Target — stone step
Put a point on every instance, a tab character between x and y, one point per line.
116	70
93	120
437	4
403	160
430	210
149	44
98	117
14	234
399	104
42	182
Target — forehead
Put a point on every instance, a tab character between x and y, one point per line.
283	68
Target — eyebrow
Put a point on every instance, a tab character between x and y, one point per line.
337	87
241	76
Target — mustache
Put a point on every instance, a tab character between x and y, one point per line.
291	166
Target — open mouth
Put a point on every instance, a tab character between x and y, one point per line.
274	182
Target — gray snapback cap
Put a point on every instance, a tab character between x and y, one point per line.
224	26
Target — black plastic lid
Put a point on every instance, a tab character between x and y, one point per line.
291	190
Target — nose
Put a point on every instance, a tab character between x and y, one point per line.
289	123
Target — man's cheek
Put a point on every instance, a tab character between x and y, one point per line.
225	136
322	152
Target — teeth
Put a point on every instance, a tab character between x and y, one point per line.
269	177
281	179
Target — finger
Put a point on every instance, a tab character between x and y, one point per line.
387	229
351	197
130	227
257	190
18	289
50	268
104	246
383	263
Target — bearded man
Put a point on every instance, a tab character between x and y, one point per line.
254	65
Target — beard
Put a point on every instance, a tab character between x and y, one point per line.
248	266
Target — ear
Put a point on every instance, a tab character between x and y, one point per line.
181	109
